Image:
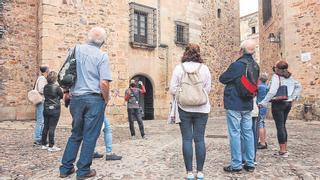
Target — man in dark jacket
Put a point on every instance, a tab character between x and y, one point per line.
238	110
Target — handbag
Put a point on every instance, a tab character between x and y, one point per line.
282	93
34	96
174	117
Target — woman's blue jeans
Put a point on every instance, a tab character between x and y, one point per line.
193	126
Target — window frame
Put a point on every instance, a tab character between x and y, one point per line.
185	33
253	30
266	11
149	41
138	37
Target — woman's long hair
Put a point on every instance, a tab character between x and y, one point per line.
281	69
192	54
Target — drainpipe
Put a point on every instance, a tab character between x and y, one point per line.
164	46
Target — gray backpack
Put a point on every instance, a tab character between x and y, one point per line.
191	92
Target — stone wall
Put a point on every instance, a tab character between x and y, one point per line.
18	58
246	24
62	23
220	44
298	23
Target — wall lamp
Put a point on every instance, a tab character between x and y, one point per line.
274	39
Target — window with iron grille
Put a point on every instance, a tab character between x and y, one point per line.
140	27
182	33
143	29
266	10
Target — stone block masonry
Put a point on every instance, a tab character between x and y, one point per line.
18	57
46	29
298	23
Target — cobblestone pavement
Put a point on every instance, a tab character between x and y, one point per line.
160	156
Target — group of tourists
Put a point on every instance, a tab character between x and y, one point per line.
246	96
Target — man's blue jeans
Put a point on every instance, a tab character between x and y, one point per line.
240	123
87	118
107	135
39	122
193	127
255	139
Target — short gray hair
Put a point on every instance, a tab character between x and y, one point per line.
248	46
264	77
97	35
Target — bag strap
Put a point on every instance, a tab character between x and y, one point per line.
279	80
36	84
197	70
73	55
53	102
134	94
183	69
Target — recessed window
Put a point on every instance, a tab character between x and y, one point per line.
253	30
182	33
219	13
142	26
266	10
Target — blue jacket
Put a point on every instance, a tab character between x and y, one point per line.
232	101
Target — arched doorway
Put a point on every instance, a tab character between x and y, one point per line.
146	100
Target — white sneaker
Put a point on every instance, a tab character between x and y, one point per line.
190	176
45	147
281	155
54	149
200	175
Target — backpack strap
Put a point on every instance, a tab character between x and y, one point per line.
197	70
183	69
134	94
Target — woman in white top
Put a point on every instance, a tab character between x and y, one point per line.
281	109
193	118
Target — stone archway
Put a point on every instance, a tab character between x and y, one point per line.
146	100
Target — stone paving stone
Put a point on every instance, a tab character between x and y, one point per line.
160	156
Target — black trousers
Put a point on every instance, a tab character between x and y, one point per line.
137	114
280	111
51	118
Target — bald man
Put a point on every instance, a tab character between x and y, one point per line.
90	95
238	108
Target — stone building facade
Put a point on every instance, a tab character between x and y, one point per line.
249	29
146	39
294	29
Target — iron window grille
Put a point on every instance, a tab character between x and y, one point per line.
143	27
181	33
266	10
